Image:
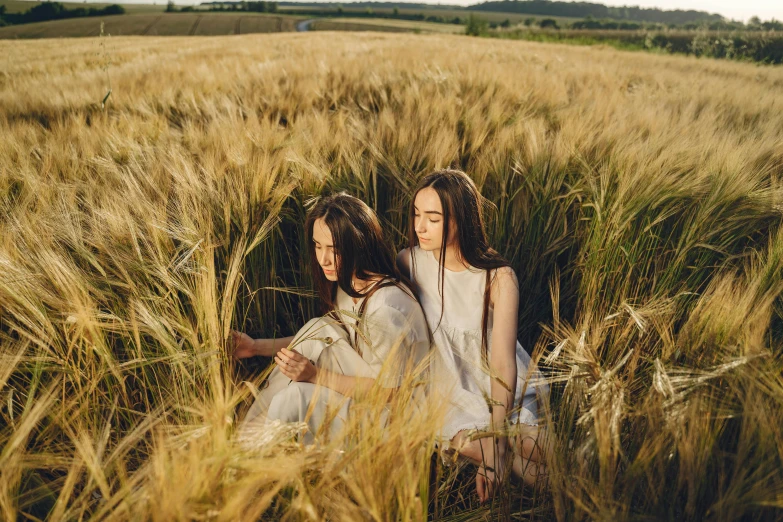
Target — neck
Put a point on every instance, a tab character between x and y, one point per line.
360	285
454	260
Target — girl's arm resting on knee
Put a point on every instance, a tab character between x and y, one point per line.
298	368
503	363
345	384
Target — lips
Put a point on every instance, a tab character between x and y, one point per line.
423	239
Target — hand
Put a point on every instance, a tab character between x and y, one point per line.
244	345
487	481
295	366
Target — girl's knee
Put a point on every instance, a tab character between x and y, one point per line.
291	403
529	446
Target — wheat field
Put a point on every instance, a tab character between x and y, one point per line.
638	196
153	24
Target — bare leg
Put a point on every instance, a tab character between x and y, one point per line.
531	443
478	450
529	456
530	472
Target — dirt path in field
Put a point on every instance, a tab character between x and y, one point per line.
147	29
195	26
304	25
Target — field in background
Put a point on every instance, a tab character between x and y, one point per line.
383	24
463	14
638	196
163	24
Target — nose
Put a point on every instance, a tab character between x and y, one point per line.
418	225
324	258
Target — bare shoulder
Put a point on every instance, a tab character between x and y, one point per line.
504	276
505	284
404	261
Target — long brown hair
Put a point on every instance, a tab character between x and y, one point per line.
461	202
359	243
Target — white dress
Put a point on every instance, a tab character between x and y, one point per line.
392	339
459	376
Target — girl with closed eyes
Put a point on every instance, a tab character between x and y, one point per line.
470	298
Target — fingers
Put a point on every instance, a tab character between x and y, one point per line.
295	366
284	369
486	483
282	363
288	366
235	338
291	359
481	482
292	355
489	489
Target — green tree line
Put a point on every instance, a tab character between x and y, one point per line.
585	9
46	11
255	7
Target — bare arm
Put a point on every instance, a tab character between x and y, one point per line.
503	363
298	368
245	346
396	338
269	347
344	384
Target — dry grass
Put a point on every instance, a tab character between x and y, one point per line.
638	196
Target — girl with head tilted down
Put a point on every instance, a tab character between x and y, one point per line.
470	297
373	334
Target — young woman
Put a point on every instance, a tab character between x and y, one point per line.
374	327
470	298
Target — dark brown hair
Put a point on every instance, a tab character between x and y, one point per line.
359	243
461	202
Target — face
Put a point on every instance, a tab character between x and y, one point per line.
428	220
324	249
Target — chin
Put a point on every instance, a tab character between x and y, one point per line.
427	245
332	277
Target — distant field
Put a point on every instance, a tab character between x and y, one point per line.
171	24
490	16
384	24
20	6
364	25
447	14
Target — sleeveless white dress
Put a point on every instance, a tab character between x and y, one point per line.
459	376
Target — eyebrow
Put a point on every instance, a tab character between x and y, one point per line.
427	211
317	243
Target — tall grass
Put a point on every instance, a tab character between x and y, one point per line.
639	197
